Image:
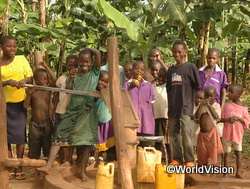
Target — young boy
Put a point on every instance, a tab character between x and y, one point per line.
156	54
182	82
160	109
128	70
40	126
199	96
208	114
235	118
61	101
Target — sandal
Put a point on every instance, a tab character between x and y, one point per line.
20	176
11	175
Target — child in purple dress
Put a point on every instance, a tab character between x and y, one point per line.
142	95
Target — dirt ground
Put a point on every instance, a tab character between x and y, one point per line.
37	182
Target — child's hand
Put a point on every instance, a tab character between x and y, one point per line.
31	90
43	64
73	72
13	83
232	119
20	84
96	92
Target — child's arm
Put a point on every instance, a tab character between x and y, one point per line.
197	114
97	55
223	97
164	66
51	74
27	100
72	74
213	112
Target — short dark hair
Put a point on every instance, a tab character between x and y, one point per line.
71	57
139	62
214	50
6	38
210	88
180	43
238	87
38	71
85	51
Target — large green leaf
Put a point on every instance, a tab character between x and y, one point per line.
241	45
231	28
3	4
119	19
203	15
174	13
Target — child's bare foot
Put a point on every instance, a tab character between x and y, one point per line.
238	175
84	177
66	164
44	170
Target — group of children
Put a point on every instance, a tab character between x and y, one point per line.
167	106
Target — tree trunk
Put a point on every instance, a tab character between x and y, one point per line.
205	44
5	21
246	70
61	58
201	43
234	65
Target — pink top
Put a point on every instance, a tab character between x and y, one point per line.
234	131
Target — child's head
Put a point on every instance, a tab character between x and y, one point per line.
235	91
162	76
199	96
8	45
128	70
210	94
155	67
139	68
213	56
71	62
41	77
154	54
179	51
103	80
85	60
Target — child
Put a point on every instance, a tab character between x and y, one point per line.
61	102
199	96
160	109
40	126
156	54
80	123
207	114
142	95
105	126
235	118
128	70
212	75
182	82
15	73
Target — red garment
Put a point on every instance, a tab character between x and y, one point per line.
208	146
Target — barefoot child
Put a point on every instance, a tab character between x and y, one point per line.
208	143
40	125
142	95
61	101
235	118
160	109
79	123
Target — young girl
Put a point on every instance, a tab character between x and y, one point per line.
15	72
142	95
79	123
235	118
61	101
207	114
105	125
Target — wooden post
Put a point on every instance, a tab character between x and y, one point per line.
117	114
38	58
4	179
